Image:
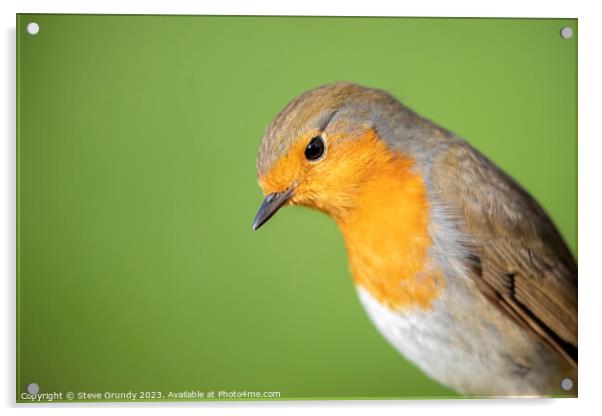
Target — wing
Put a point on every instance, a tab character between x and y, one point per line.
520	261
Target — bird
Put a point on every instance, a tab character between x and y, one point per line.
455	264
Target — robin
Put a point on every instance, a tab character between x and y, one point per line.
455	264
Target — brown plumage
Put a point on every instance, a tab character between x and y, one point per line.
521	262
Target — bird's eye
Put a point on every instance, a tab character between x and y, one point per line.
315	148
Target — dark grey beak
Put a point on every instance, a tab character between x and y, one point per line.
269	206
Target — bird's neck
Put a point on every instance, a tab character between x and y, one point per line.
387	238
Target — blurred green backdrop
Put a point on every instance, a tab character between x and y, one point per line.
137	136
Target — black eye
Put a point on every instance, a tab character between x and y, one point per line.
315	148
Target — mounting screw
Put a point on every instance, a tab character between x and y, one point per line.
566	384
566	32
33	388
33	28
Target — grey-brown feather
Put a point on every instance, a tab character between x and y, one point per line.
338	103
524	264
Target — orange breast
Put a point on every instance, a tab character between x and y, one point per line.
381	208
386	233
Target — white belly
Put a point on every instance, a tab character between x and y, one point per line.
463	343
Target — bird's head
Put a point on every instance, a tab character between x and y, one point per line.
325	145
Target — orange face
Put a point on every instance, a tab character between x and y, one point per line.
331	183
380	205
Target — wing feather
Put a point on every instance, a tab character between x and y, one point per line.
524	266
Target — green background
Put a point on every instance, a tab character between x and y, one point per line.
137	137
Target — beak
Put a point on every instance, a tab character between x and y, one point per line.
269	206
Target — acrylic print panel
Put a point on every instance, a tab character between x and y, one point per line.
139	275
